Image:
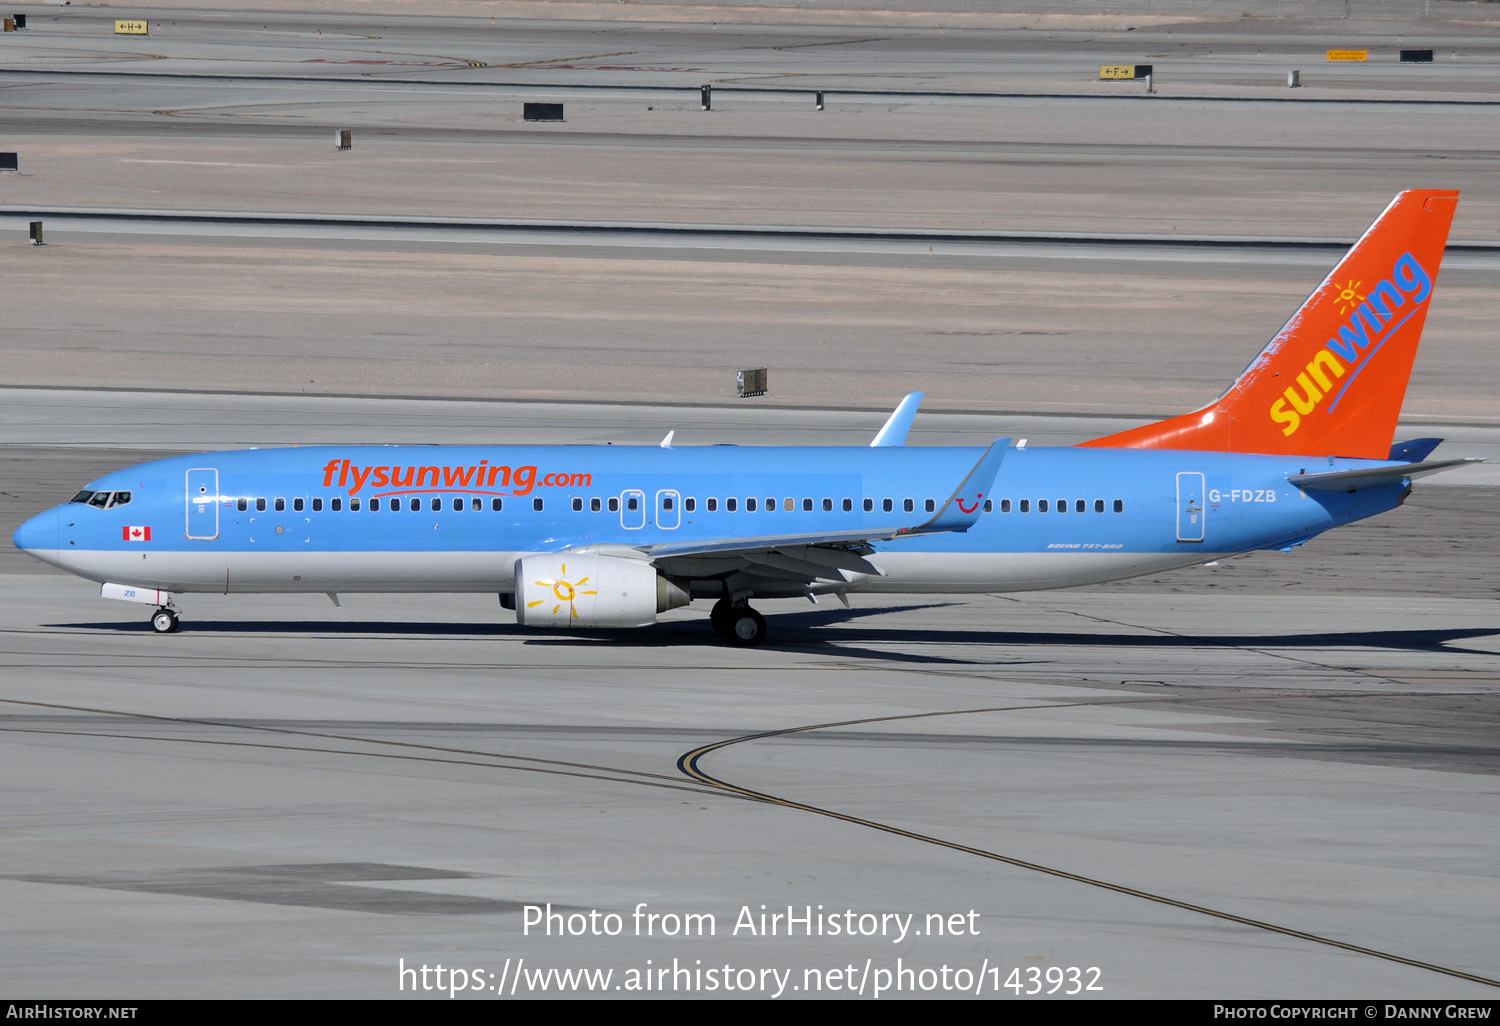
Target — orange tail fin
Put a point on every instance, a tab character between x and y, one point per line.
1332	380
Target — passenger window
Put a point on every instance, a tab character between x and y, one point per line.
750	505
887	505
416	504
807	505
989	505
395	506
260	505
869	505
827	505
1025	505
930	506
1119	505
577	505
907	506
1098	505
297	505
243	505
689	504
1041	505
476	505
632	504
731	504
317	505
458	505
537	504
437	504
353	505
848	505
790	504
336	505
594	505
374	505
1062	505
713	505
1004	505
666	502
614	504
771	505
496	505
281	505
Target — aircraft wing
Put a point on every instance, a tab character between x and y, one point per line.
959	512
1368	477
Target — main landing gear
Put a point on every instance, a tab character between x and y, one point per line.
740	625
164	620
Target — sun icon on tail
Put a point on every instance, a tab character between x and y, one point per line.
1349	296
565	591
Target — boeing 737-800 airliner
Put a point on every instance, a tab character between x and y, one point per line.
592	536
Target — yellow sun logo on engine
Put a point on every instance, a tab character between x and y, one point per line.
565	591
1349	296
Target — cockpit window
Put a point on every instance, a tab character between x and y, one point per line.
103	500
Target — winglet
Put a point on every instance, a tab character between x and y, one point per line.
899	424
962	509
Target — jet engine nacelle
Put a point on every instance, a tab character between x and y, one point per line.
581	589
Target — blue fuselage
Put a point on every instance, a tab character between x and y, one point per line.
446	518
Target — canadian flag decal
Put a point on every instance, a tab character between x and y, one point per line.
138	534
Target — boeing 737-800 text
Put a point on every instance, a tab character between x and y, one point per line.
595	536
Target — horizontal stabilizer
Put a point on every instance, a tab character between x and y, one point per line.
1369	477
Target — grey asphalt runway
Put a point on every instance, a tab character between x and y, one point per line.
1267	778
310	795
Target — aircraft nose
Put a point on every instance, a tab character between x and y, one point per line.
38	536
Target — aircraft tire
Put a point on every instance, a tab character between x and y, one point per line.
164	621
746	627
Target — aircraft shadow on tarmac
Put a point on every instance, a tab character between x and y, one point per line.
834	630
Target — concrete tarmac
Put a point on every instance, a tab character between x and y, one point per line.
291	799
1266	779
237	117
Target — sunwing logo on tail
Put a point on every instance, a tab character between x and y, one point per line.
1377	316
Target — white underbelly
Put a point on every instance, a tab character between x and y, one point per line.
241	572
